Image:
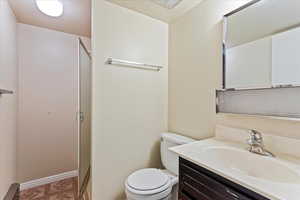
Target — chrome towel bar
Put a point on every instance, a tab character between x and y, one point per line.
5	91
125	63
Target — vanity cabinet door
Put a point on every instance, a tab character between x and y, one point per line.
190	193
197	183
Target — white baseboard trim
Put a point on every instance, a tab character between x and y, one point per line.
47	180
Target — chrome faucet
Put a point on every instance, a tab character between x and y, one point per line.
257	145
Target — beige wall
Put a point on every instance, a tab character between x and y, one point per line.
47	126
195	61
8	103
129	105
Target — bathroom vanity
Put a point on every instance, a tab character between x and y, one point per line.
198	183
223	168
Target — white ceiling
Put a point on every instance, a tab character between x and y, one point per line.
152	9
76	18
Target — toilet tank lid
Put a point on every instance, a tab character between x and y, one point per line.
176	139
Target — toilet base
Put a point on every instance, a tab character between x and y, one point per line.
174	193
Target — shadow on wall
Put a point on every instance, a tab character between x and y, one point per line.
154	162
154	158
121	196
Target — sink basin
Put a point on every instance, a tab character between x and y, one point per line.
242	162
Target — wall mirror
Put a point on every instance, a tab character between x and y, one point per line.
262	45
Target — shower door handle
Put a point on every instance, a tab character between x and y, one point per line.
81	116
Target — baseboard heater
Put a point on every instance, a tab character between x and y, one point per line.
13	192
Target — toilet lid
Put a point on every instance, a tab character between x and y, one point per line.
147	179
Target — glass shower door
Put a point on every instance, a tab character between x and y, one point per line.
84	117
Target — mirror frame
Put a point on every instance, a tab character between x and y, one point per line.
225	17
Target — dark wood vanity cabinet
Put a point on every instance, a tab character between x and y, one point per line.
197	183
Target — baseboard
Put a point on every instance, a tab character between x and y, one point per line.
47	180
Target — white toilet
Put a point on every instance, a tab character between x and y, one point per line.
157	184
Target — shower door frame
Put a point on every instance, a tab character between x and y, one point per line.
82	187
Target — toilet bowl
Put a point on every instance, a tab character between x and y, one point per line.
157	184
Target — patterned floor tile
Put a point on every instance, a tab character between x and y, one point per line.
60	186
60	190
33	193
68	195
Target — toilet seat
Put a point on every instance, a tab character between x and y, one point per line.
164	195
148	182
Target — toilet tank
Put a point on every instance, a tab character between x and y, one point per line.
169	159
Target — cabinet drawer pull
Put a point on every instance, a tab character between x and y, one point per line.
232	194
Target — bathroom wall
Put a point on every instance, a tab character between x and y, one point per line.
129	105
8	103
195	61
47	128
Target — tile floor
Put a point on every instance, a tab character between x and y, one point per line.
61	190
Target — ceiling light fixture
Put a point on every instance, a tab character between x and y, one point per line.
53	8
168	3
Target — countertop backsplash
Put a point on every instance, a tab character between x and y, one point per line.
275	144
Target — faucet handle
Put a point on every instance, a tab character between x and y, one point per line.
255	136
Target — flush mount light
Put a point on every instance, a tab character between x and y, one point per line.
53	8
168	3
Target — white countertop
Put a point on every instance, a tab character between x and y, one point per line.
272	189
